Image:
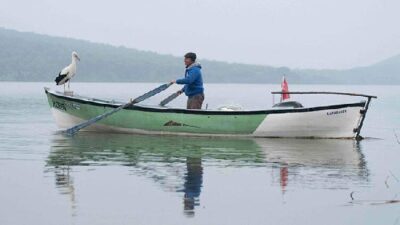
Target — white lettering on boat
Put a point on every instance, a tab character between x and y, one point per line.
65	105
74	105
59	105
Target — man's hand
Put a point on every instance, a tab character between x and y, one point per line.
179	92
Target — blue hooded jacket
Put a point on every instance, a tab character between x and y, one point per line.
193	80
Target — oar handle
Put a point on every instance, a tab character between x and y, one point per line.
151	93
170	98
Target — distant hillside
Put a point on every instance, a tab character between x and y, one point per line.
33	57
384	72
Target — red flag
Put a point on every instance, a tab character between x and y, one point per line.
284	174
285	89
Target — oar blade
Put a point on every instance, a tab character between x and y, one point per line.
73	130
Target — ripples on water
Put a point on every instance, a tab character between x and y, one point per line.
176	163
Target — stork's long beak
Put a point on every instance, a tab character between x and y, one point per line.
77	57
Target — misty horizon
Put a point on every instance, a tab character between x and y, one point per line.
310	34
202	58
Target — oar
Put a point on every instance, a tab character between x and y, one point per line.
73	130
170	98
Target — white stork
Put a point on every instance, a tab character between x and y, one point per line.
68	72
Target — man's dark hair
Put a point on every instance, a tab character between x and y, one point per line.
191	56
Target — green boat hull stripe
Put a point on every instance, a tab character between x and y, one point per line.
161	120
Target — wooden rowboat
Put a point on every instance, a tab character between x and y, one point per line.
330	121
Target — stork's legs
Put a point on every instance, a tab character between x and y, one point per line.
68	84
64	87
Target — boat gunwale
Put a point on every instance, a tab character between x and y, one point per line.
98	102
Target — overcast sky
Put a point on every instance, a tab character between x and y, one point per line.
294	33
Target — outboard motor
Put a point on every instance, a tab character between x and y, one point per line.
288	105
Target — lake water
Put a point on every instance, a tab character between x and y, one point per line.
47	178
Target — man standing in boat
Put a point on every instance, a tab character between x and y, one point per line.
193	82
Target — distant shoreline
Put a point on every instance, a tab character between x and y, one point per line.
36	58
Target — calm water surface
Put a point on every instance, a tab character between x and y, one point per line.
92	178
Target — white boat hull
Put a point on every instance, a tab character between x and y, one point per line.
319	124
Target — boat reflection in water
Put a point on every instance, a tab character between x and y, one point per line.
317	163
176	163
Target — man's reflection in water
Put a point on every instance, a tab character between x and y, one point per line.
192	185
